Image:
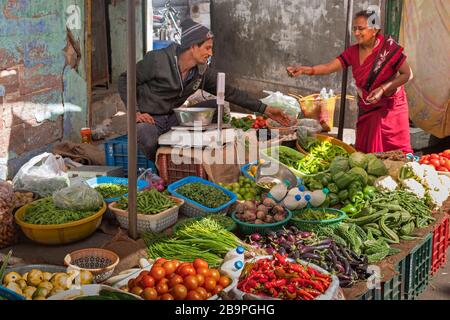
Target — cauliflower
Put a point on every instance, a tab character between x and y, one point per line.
415	187
435	199
432	182
412	170
445	182
386	184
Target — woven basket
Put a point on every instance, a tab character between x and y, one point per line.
146	223
100	262
323	138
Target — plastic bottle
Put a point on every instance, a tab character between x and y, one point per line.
318	197
233	267
233	254
279	192
291	201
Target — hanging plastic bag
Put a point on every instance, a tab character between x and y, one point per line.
43	174
288	104
79	198
306	132
154	181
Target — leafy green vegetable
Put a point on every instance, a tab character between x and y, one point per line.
358	174
377	168
109	190
327	151
358	159
339	164
206	195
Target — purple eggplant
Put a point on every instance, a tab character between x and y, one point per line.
311	256
270	251
305	234
346	283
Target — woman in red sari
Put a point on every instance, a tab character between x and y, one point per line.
380	71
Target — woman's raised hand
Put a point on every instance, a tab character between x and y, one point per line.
296	70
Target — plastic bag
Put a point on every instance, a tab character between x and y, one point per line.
79	198
43	174
154	181
8	230
288	104
306	132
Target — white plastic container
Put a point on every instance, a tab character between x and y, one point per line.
318	197
279	192
234	254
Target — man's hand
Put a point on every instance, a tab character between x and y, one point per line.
295	71
375	96
279	116
144	118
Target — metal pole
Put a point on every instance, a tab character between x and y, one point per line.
348	34
131	102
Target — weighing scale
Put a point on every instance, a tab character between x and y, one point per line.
213	136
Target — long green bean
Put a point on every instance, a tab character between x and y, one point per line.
44	212
149	202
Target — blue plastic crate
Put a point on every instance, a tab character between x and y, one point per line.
194	209
116	154
141	184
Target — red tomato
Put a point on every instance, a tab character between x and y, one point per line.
169	267
426	162
191	282
176	280
444	169
158	272
447	164
435	163
443	162
167	297
434	156
200	263
150	294
193	295
187	271
147	282
179	292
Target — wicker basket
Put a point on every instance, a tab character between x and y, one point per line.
100	262
337	142
146	223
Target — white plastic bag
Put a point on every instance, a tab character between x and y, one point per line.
278	100
43	174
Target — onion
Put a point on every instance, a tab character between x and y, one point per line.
255	237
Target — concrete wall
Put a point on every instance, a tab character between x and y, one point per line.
33	80
118	23
256	40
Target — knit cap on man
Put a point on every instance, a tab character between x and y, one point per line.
193	33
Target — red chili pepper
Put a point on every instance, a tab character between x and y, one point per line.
291	288
317	273
274	292
302	272
313	292
281	259
275	284
306	295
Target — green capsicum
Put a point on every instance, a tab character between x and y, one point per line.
350	210
369	192
334	199
343	195
357	197
315	185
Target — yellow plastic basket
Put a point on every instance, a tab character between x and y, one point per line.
58	234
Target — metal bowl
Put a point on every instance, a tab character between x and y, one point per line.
266	175
189	116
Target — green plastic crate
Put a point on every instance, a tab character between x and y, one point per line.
371	295
418	267
395	288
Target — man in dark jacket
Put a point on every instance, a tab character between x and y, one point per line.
167	78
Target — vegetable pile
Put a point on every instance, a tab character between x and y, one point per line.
326	150
425	182
173	280
385	219
224	221
321	251
41	285
315	214
278	278
441	161
349	181
207	196
109	190
308	164
248	123
255	212
245	189
204	239
44	212
8	232
148	202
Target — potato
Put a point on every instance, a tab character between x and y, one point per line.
261	215
269	219
258	221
